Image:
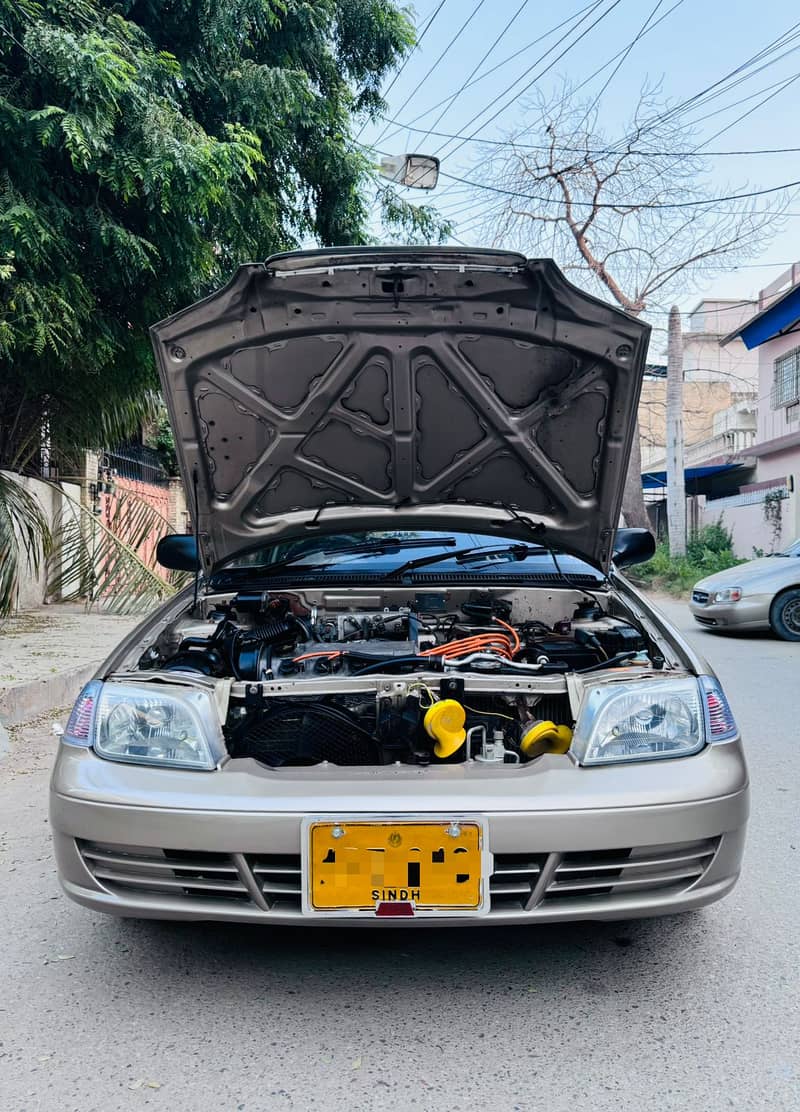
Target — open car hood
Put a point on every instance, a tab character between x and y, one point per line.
401	388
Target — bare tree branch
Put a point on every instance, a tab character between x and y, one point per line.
597	202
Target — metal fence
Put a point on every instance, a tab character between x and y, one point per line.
136	461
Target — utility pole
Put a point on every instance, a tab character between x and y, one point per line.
676	492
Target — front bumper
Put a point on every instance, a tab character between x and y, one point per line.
750	612
567	843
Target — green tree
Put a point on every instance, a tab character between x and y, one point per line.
146	148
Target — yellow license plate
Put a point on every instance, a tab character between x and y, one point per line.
362	865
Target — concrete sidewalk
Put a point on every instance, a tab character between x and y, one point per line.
47	654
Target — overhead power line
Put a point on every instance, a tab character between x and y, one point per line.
718	268
474	216
712	91
407	58
443	54
592	150
627	204
642	31
416	47
772	90
733	305
785	85
590	77
590	9
477	66
724	85
760	55
493	69
540	74
721	84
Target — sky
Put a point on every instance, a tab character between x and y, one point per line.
695	45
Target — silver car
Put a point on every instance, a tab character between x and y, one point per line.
761	594
409	684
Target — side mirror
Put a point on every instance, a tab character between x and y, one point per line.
178	552
632	546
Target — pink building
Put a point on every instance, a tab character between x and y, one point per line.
765	513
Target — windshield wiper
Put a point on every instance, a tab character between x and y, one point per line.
378	546
393	544
474	554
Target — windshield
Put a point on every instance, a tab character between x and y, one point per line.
793	549
384	553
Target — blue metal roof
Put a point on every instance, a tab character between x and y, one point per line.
655	480
777	318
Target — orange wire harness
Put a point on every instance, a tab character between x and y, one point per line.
480	642
512	631
308	656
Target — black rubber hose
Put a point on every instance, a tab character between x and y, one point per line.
385	665
275	629
304	627
618	659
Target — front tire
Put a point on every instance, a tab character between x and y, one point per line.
784	614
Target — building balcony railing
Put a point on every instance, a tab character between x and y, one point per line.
726	443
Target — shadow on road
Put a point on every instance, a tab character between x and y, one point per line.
741	634
609	957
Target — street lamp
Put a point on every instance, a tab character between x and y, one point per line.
415	171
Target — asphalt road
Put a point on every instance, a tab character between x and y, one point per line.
694	1012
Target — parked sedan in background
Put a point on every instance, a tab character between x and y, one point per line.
761	594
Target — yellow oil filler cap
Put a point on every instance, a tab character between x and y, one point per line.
444	722
545	737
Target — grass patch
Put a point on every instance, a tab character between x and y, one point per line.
708	551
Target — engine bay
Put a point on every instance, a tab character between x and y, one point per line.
422	678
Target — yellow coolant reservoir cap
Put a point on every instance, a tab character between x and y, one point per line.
444	722
545	737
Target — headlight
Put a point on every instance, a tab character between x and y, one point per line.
147	725
729	594
635	721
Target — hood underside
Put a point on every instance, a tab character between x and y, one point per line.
402	388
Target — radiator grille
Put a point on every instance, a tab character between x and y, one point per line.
514	878
599	874
278	877
167	872
272	883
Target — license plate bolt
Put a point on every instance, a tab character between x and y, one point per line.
454	830
337	832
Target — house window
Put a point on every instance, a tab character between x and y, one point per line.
792	413
786	381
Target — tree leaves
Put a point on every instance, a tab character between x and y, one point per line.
413	223
147	150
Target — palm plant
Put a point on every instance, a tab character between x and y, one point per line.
25	538
108	564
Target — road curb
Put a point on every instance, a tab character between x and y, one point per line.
25	701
